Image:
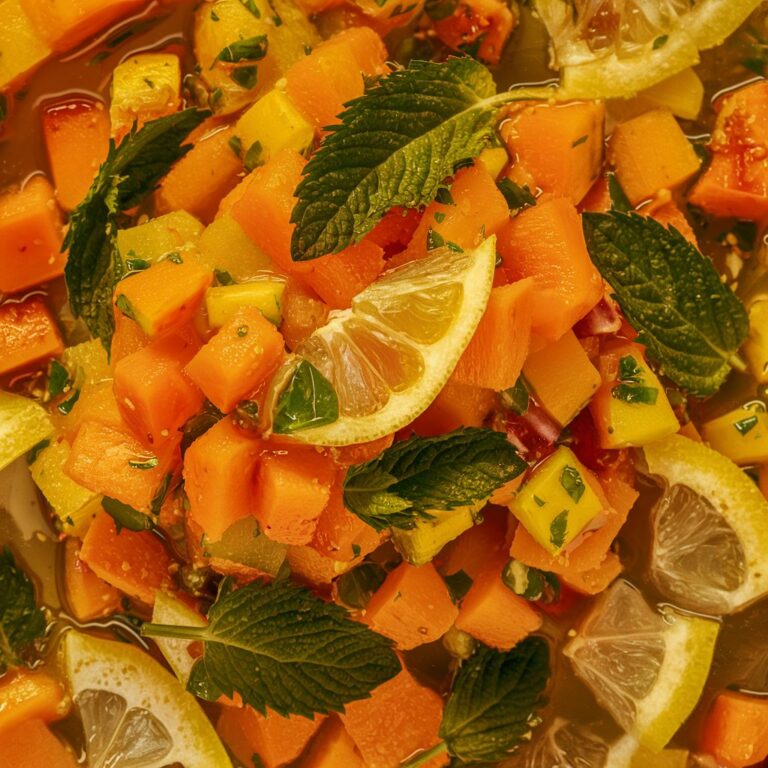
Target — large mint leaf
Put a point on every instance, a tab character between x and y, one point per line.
130	172
421	474
691	322
21	621
394	146
494	701
279	646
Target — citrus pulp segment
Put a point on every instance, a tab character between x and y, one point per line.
647	669
134	712
710	545
390	354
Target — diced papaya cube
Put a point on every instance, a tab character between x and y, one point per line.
736	730
145	86
457	405
23	424
332	74
595	580
153	393
27	695
65	23
157	238
164	297
112	462
309	566
238	359
651	153
401	717
76	134
357	453
558	500
495	355
631	407
339	533
199	180
88	597
736	181
73	505
263	208
303	313
292	489
546	242
28	334
127	339
740	434
568	163
332	747
485	23
30	236
339	277
135	562
225	246
31	744
219	469
618	498
276	740
472	551
412	607
562	378
477	211
670	215
23	47
97	403
493	614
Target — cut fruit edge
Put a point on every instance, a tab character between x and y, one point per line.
440	358
677	460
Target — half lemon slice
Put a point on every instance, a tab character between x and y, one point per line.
134	712
615	49
710	529
646	668
390	354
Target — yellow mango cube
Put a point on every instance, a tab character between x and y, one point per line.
225	246
144	87
273	123
23	424
22	49
494	159
740	434
756	346
223	301
91	358
151	241
631	408
558	501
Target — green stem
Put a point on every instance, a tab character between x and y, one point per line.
737	363
426	756
172	630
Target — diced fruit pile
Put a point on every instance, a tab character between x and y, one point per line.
362	371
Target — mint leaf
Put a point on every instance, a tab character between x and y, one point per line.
458	584
618	197
252	49
518	198
691	323
279	646
395	145
421	474
21	621
558	528
494	701
126	516
531	583
572	482
130	172
308	401
356	587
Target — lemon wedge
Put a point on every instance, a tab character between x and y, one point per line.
134	712
646	668
390	354
616	53
710	529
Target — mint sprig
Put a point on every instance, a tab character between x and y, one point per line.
279	646
423	474
21	621
130	172
690	321
395	145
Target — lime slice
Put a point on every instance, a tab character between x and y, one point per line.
710	543
390	354
646	668
614	50
134	712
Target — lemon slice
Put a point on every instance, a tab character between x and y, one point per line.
710	542
390	354
614	50
134	712
646	668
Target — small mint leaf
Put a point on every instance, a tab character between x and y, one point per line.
308	401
